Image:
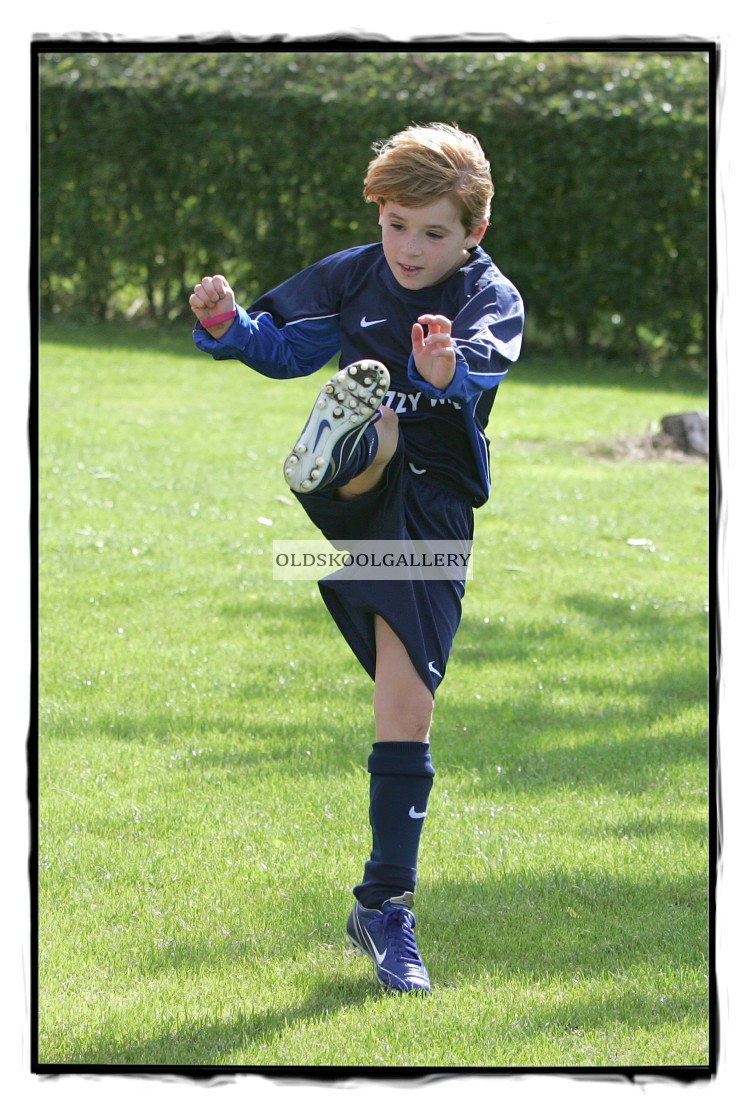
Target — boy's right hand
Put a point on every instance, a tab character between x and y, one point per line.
212	296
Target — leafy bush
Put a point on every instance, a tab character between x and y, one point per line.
158	166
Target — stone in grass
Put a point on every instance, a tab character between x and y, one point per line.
689	431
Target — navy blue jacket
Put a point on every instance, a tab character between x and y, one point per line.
350	304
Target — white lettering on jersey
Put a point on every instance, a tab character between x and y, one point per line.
408	402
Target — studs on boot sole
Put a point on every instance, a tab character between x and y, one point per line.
349	399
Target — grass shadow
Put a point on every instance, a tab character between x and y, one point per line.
535	369
612	628
576	931
597	372
574	722
205	1043
564	923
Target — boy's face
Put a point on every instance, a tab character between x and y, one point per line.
425	244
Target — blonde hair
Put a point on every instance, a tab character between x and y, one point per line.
425	162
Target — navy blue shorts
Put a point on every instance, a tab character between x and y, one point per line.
424	613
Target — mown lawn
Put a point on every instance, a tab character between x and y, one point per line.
203	733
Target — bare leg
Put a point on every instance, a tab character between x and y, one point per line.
403	704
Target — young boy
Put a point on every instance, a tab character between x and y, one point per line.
425	326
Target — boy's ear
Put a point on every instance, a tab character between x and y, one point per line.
381	213
477	234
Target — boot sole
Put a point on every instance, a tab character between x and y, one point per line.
347	403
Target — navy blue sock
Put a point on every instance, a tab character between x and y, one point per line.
353	462
401	779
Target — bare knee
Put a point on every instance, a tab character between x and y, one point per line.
403	703
400	718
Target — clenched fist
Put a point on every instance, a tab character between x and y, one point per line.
213	296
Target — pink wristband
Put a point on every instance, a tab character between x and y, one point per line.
222	318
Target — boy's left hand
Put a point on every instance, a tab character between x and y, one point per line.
434	353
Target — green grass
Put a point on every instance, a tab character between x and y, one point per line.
203	733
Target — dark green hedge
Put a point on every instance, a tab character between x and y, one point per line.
158	166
